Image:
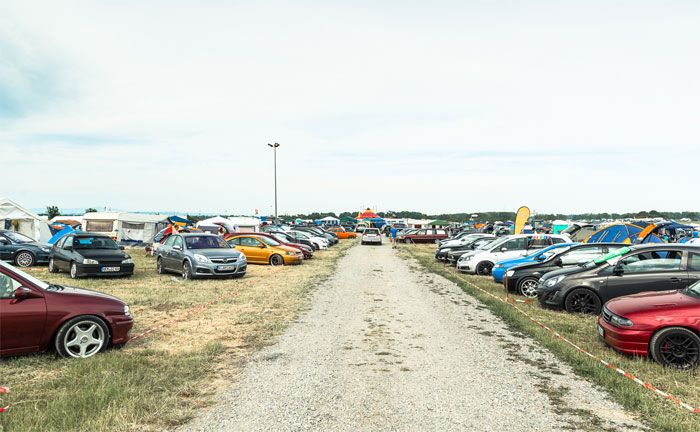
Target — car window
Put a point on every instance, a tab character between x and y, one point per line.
94	243
17	237
694	262
8	286
515	244
177	242
249	241
59	243
235	241
440	232
650	261
538	242
170	240
556	240
68	243
582	255
205	242
269	241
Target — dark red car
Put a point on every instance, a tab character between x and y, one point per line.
36	316
425	235
665	325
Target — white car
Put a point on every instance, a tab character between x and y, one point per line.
481	261
320	242
463	240
371	236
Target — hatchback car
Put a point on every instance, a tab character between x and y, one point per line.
665	325
200	255
371	236
630	270
36	316
264	250
425	235
21	250
84	254
539	255
342	233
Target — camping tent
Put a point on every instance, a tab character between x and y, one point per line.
328	220
17	218
214	223
620	233
245	223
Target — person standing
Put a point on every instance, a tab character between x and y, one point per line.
394	232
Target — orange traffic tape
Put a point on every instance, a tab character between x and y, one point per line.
4	390
592	356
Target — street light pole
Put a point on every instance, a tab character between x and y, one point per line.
274	148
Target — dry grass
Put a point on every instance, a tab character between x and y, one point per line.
655	411
159	381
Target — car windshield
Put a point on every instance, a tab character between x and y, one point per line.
206	242
269	241
41	284
17	237
371	231
550	251
96	242
483	244
301	234
693	290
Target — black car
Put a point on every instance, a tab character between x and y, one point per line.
21	250
524	278
291	237
331	237
627	271
454	254
85	254
445	247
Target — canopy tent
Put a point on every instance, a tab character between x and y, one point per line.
67	229
180	221
672	229
348	219
621	233
328	220
14	217
367	214
439	222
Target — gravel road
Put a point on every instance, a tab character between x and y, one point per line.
386	346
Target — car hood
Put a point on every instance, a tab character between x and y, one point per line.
217	252
98	254
72	291
288	249
651	301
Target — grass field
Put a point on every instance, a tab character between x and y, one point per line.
658	413
158	382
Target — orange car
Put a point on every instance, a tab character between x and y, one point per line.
341	233
264	250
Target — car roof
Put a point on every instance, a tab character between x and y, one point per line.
197	234
88	234
656	246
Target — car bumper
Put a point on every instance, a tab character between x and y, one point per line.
99	269
293	259
627	341
220	270
120	329
466	267
551	299
498	273
42	258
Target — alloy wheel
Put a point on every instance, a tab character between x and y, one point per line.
73	271
276	260
24	259
84	339
679	350
528	288
582	302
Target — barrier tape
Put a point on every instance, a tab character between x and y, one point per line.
4	390
607	364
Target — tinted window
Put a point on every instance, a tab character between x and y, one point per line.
694	262
538	243
556	240
205	242
235	241
658	260
17	237
94	243
515	244
69	243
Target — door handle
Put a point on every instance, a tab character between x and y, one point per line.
675	279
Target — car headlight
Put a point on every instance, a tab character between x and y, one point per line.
287	253
498	266
90	261
620	321
45	249
128	261
553	281
201	258
242	257
510	273
127	312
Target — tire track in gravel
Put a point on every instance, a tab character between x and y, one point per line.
386	346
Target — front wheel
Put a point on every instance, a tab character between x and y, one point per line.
676	347
276	260
582	300
82	337
74	271
484	268
24	259
528	287
159	266
187	271
52	266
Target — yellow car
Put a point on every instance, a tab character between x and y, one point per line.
264	250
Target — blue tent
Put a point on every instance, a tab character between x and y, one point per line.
620	233
56	237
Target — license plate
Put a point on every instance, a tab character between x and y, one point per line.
110	269
227	268
601	331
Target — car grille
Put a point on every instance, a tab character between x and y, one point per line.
607	315
223	260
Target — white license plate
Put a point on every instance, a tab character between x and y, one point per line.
110	269
227	268
601	331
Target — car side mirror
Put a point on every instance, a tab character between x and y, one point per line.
121	247
618	270
559	262
262	246
177	247
541	257
22	293
504	249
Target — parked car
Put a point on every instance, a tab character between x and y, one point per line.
481	261
629	270
342	233
331	239
498	271
264	250
22	250
444	249
371	236
289	237
85	254
195	255
455	254
36	316
457	236
319	242
665	325
424	235
307	251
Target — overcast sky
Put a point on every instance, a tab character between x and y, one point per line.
439	106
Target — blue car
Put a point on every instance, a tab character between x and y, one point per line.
499	270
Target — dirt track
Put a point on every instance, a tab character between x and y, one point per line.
385	346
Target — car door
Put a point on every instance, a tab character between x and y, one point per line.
63	253
22	321
251	247
510	249
693	267
165	253
651	270
5	248
177	254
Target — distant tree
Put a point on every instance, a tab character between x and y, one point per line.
90	210
52	212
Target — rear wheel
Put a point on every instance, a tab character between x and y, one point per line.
582	300
528	287
484	268
276	260
24	259
676	347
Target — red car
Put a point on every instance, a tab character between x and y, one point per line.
665	325
426	235
36	316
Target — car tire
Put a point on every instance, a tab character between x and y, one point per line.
159	266
676	347
528	287
187	271
74	270
25	259
82	337
52	266
582	300
276	260
484	268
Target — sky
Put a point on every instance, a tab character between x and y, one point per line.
440	106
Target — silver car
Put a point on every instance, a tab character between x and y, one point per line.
371	236
200	255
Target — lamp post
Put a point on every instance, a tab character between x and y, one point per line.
274	148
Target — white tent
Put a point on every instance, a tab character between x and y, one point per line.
330	220
245	223
213	224
17	218
129	227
